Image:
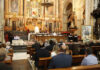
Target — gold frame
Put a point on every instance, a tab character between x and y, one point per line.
13	6
9	13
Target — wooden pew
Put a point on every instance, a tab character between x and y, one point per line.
76	59
97	48
90	67
44	62
31	51
29	48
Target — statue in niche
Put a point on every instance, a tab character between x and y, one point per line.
71	21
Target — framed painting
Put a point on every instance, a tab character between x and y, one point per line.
13	5
86	33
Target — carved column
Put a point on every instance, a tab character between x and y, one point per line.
78	9
2	20
89	6
66	12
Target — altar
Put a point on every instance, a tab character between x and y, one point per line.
43	37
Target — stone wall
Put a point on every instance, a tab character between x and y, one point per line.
2	20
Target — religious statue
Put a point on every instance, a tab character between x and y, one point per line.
71	21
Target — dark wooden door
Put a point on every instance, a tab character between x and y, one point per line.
14	25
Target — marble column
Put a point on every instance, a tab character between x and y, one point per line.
2	20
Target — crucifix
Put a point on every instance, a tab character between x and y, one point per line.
46	4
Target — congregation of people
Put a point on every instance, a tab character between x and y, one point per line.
61	53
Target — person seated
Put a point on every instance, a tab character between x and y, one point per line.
54	51
75	49
36	46
51	45
75	38
46	43
41	53
91	43
71	45
82	49
61	60
8	47
90	58
3	66
70	37
41	44
97	43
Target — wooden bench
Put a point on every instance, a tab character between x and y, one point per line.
44	62
76	59
97	48
90	67
28	49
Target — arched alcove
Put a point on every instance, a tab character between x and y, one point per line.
66	12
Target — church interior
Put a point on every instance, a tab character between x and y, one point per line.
49	34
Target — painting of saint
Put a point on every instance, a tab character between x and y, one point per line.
14	5
86	32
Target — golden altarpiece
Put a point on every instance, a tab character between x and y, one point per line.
22	15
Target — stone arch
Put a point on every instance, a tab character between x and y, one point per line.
66	4
66	10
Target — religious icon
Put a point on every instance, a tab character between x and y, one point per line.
14	5
86	32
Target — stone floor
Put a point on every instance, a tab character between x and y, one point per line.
21	65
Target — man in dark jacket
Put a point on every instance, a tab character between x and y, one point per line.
62	60
50	47
41	53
